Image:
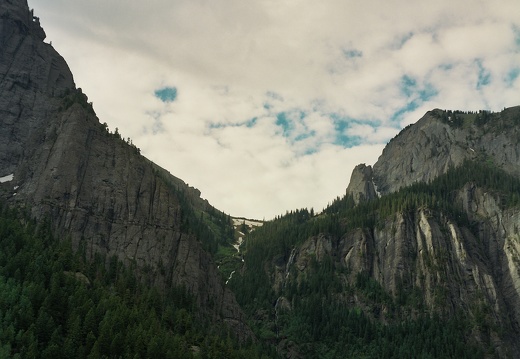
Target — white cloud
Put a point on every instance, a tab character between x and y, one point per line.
238	66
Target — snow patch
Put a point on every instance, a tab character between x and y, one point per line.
248	222
7	178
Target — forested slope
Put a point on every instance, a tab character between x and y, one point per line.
422	272
63	165
54	303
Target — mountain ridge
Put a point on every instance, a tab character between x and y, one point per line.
449	248
438	141
96	188
409	249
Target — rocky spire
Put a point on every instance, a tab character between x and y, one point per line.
361	186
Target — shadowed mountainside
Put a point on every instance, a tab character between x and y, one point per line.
93	186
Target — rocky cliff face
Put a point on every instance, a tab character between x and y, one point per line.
425	250
361	185
443	264
93	186
440	140
33	77
450	245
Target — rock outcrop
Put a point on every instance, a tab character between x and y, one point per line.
438	141
33	76
93	186
451	268
463	257
361	186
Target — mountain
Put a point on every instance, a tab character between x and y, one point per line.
60	164
438	141
105	253
420	258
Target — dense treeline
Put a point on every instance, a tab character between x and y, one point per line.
55	304
487	120
277	238
321	319
328	326
439	194
324	324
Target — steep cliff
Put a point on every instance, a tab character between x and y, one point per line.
361	185
60	163
430	232
444	139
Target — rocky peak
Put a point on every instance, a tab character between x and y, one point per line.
361	186
438	141
18	11
33	76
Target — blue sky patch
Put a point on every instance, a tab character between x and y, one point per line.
249	124
347	141
419	96
341	125
286	120
484	76
284	123
512	75
409	107
516	30
305	135
295	130
427	92
351	53
410	88
166	94
252	122
272	97
446	67
402	40
408	85
415	94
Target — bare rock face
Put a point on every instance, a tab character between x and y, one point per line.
94	187
422	152
31	74
449	266
361	186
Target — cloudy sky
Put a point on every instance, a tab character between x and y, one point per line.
267	106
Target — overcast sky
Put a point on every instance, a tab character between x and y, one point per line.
267	106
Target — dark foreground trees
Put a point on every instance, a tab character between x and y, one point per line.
55	304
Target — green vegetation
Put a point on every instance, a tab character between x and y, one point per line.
72	97
227	260
496	122
323	320
55	304
324	324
